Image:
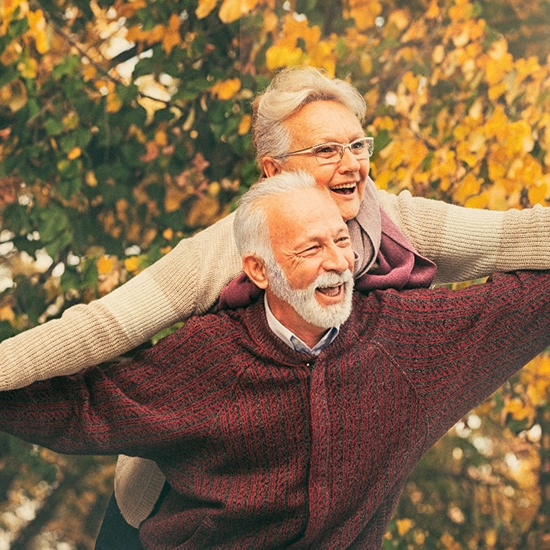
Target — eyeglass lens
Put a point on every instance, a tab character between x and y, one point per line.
331	152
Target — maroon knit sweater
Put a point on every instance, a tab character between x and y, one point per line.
265	447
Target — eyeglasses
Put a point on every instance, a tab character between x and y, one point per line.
332	152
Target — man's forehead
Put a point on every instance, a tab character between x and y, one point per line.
304	213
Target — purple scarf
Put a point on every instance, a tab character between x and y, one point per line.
384	257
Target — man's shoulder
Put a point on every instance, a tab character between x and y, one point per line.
224	326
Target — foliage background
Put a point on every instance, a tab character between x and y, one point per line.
124	127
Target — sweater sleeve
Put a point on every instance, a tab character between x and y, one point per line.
185	282
469	243
143	407
458	347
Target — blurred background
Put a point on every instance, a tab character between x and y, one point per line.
125	127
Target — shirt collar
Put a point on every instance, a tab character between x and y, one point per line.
291	340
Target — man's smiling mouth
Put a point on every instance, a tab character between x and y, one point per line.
330	290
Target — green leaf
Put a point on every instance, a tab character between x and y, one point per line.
7	75
53	126
52	222
66	68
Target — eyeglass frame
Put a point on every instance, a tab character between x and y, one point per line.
368	139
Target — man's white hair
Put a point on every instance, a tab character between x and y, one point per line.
250	224
287	93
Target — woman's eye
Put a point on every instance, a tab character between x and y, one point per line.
325	150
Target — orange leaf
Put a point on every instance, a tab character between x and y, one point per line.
74	153
204	8
231	10
104	265
172	36
226	89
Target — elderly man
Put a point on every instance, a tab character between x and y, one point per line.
293	422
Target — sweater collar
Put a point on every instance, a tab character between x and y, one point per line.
293	341
266	345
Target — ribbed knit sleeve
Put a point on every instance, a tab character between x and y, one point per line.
167	393
468	243
185	282
457	347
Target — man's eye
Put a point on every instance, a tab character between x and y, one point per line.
344	241
359	145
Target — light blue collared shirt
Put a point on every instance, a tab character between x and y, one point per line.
291	340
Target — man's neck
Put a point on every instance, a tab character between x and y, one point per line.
287	316
293	341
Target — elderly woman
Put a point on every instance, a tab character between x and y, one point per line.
302	121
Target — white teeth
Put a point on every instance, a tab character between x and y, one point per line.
345	186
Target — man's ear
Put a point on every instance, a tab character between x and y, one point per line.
255	268
271	167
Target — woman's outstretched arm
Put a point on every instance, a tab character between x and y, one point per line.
469	243
187	281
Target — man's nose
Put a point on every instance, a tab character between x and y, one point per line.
336	259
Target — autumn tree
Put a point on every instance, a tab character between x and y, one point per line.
125	126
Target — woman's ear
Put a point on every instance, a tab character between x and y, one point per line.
255	268
270	167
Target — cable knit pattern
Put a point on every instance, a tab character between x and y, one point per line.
267	448
465	244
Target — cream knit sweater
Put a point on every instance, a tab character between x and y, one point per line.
464	243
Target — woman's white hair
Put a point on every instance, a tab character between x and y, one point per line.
250	224
287	93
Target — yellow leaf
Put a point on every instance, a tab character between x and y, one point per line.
172	36
74	153
173	199
90	179
37	29
366	63
479	201
491	538
203	212
438	54
104	265
537	195
131	264
89	72
460	11
364	12
270	21
28	67
282	56
129	9
244	125
161	138
7	314
231	10
226	89
517	409
433	10
204	8
399	18
403	526
114	103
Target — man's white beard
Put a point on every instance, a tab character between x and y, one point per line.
304	300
